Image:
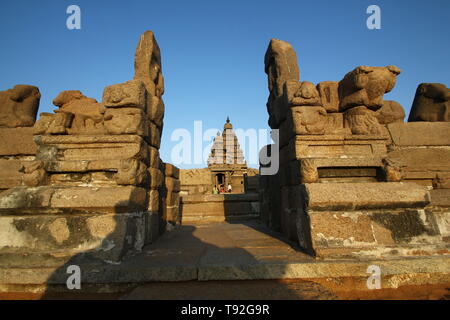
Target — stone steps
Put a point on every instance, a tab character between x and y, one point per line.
212	208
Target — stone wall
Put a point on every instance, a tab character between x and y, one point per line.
87	178
200	181
342	186
196	181
252	181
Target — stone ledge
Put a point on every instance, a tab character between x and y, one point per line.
339	196
82	165
420	133
436	269
83	139
339	137
422	159
206	219
331	269
40	200
198	198
346	162
88	148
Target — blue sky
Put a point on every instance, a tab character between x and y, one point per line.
213	51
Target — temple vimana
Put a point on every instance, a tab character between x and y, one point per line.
356	186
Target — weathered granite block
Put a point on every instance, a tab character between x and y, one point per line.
172	184
11	174
126	121
299	93
346	196
104	236
22	200
172	171
129	94
329	95
376	233
336	146
156	178
87	148
17	141
155	110
420	133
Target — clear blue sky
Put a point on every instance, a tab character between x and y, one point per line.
212	51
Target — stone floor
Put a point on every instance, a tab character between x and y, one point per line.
225	244
241	260
247	250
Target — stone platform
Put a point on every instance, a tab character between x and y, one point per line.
193	254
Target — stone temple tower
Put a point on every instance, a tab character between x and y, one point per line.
226	160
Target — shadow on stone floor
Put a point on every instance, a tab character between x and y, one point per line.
259	226
171	267
215	255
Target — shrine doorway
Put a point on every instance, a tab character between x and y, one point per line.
220	179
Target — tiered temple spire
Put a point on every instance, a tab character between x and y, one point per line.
226	149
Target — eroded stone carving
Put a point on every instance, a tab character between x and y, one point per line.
431	103
126	121
129	94
329	94
308	171
34	173
19	106
301	93
147	64
281	65
88	113
361	120
309	120
335	123
390	112
393	170
131	172
148	69
349	166
101	159
53	123
365	86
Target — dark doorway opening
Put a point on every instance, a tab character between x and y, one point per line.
220	178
